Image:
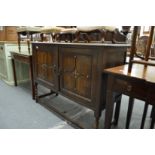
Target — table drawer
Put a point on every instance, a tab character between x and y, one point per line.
151	94
134	88
22	58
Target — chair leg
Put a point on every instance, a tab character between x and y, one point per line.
153	117
117	110
144	115
129	113
152	124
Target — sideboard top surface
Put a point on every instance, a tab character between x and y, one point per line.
85	44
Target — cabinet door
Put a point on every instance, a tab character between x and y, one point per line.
3	72
45	65
77	74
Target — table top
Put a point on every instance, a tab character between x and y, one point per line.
138	71
21	54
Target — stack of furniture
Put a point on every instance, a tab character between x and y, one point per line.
60	33
28	32
102	34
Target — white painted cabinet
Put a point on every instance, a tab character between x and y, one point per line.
6	72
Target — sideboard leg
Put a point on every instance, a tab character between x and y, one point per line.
96	123
36	92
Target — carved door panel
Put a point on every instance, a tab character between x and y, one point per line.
83	75
41	63
46	65
77	73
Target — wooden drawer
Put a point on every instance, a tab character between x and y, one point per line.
22	58
150	94
134	88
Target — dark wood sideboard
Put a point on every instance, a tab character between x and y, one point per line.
75	70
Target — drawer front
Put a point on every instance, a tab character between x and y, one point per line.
150	94
25	59
134	88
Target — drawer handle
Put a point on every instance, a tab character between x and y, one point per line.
37	47
129	88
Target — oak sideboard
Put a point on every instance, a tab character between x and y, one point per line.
75	70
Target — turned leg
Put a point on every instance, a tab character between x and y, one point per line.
97	123
129	113
97	115
144	116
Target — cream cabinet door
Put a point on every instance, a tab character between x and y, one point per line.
3	70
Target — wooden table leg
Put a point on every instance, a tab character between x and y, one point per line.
19	42
153	117
144	115
129	113
109	103
14	72
97	123
117	110
36	91
32	79
28	41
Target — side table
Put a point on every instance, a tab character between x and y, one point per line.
24	59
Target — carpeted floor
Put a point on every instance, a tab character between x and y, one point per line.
18	110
